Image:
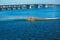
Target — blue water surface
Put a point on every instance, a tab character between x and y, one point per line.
39	12
25	30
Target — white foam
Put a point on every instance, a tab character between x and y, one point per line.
51	18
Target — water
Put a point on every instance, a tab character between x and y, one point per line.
42	12
25	30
